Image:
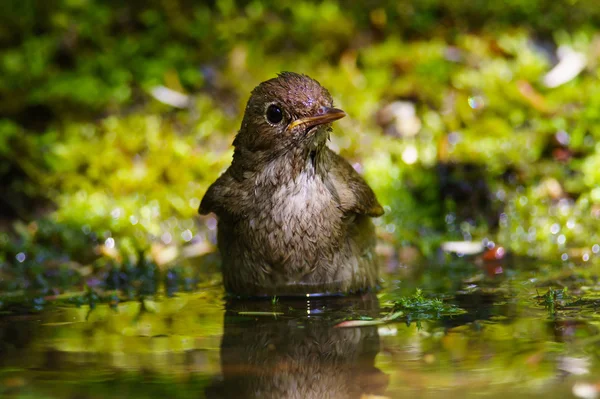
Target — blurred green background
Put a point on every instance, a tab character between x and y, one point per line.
471	120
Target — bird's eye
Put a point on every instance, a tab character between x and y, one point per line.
274	114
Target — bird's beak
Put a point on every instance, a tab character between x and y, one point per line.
325	115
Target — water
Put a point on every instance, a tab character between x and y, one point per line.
506	344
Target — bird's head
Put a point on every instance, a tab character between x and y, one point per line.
289	111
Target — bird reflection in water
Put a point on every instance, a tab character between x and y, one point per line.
298	353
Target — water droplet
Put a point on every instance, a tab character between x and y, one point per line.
596	248
585	257
116	213
555	228
187	235
561	239
500	252
86	229
390	228
109	243
570	223
133	219
564	257
500	195
410	155
476	102
523	200
562	137
454	138
21	257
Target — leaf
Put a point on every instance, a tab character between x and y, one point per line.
361	323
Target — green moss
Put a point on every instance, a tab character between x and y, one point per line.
416	307
90	148
556	299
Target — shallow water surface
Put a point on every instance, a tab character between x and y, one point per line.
506	342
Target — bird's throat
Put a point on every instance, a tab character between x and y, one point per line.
306	162
317	144
312	161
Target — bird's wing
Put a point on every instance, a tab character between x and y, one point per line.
222	196
355	195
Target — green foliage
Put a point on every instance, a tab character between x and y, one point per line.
87	145
100	181
40	271
408	308
417	307
555	299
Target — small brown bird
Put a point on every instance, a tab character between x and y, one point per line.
293	216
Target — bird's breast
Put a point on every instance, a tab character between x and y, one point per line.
298	222
304	202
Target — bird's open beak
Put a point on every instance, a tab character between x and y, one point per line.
325	115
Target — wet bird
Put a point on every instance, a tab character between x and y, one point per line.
293	216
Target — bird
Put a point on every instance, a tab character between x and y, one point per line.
293	216
302	356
